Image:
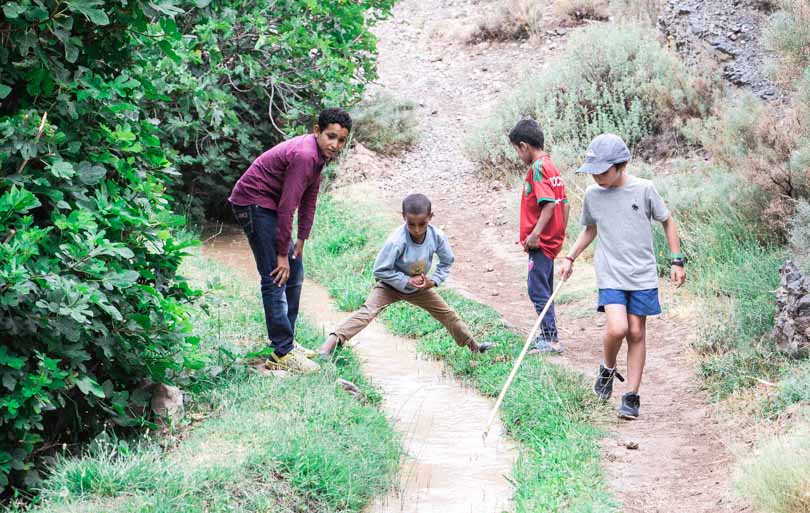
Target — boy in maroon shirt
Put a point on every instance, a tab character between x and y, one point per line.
544	212
282	180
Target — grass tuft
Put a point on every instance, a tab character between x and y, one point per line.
777	476
385	124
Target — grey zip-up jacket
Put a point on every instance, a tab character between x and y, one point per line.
401	258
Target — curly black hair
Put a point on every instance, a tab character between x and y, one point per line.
334	115
528	131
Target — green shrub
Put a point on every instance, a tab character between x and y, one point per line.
611	78
794	387
788	34
245	75
385	124
777	476
89	297
767	146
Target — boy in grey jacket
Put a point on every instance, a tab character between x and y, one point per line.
401	270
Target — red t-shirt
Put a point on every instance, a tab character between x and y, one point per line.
543	184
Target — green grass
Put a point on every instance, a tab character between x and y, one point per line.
548	409
733	271
264	443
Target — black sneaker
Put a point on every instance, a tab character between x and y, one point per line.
630	404
485	346
603	387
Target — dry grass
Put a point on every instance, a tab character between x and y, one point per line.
514	20
777	476
580	10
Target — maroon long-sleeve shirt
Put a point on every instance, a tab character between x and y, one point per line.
285	178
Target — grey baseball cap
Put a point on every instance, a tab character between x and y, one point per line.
604	151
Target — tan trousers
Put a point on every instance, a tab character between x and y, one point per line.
382	296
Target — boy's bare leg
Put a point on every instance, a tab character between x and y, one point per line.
636	350
615	331
381	296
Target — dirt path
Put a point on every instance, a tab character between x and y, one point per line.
682	463
447	467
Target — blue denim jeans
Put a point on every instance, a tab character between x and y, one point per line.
280	303
541	285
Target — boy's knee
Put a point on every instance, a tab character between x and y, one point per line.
635	335
617	331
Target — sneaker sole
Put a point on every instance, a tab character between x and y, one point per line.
626	416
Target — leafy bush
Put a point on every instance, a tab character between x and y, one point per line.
385	124
248	74
89	299
610	79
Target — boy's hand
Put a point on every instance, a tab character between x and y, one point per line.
566	269
299	249
416	281
281	273
532	242
677	275
424	282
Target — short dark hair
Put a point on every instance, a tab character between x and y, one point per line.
527	131
416	204
334	115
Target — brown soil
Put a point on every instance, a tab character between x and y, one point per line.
682	462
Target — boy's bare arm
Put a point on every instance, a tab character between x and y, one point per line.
533	240
583	241
677	272
566	210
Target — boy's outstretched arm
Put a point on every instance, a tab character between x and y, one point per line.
385	269
677	273
583	241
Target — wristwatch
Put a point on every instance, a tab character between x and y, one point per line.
677	259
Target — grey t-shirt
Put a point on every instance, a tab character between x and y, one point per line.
401	258
625	258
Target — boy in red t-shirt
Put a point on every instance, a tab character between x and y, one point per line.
543	217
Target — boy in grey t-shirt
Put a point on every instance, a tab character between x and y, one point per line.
620	209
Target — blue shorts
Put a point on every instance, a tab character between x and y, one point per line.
638	302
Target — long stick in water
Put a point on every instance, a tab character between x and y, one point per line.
520	359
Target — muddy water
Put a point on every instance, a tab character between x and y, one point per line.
448	467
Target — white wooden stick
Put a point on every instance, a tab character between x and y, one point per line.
520	359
